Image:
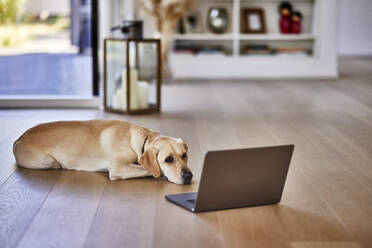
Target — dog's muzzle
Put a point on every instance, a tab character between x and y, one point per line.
186	176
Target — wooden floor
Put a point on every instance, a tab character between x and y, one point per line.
327	200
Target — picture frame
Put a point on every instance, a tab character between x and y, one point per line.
253	21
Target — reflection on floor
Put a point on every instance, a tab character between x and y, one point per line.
46	74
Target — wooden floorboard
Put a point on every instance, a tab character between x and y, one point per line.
125	216
327	200
67	213
21	197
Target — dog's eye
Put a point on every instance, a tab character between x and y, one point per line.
169	159
184	156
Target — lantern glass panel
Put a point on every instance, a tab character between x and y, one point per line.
116	74
143	63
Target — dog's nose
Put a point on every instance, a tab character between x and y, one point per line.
186	175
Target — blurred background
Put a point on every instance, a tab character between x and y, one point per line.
47	47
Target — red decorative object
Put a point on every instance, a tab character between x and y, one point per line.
296	22
285	22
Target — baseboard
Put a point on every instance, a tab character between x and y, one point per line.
15	101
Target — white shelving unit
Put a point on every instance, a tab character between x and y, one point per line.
319	25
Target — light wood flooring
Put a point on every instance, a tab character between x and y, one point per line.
327	199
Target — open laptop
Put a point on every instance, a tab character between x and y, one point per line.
239	178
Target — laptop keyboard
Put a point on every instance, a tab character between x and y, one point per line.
191	201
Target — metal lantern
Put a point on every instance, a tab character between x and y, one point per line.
132	75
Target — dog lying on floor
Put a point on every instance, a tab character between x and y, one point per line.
123	149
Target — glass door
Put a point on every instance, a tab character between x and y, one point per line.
48	48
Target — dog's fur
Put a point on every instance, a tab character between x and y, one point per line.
123	149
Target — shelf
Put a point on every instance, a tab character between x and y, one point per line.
276	37
273	37
203	37
208	57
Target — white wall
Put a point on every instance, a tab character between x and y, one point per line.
355	27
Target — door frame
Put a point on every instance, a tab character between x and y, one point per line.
95	46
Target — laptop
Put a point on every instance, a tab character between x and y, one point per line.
239	178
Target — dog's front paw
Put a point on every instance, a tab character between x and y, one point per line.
113	177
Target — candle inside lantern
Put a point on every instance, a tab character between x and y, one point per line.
133	89
118	100
121	92
139	92
143	94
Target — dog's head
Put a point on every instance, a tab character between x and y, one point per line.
167	156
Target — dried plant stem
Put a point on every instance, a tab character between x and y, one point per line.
167	13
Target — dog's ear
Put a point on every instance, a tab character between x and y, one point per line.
186	146
150	162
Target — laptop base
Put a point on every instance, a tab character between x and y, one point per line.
187	200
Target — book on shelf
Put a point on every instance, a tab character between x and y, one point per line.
266	50
192	48
212	50
290	49
185	51
185	47
257	50
292	52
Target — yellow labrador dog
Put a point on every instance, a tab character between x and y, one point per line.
123	149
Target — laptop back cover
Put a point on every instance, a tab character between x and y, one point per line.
244	177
